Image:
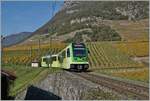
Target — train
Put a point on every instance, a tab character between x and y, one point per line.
73	57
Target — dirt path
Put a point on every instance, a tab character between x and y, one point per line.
144	60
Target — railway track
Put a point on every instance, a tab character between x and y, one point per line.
121	87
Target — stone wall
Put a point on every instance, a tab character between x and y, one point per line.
70	87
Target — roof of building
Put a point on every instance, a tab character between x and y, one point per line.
11	75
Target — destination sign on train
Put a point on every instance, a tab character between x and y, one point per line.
79	48
78	45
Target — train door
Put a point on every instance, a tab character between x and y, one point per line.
64	64
68	58
55	61
44	62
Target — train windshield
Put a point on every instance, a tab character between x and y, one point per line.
79	49
81	52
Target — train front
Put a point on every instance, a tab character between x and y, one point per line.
80	57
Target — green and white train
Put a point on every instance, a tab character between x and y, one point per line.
73	57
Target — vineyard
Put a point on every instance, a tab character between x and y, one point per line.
103	55
133	49
24	55
114	62
138	75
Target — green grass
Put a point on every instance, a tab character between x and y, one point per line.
26	76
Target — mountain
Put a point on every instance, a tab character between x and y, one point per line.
88	20
15	38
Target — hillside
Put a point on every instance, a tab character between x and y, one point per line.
15	38
77	16
129	30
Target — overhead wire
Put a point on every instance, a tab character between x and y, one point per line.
51	29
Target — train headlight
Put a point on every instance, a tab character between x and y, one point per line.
79	67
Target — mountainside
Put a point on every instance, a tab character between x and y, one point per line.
77	16
15	38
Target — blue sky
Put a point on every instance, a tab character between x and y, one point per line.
20	16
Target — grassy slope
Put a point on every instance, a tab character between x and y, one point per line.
26	76
130	30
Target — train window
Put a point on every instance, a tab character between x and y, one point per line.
53	58
60	58
44	59
64	54
68	52
79	52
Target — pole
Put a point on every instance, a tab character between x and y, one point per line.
31	53
39	44
49	51
2	51
50	30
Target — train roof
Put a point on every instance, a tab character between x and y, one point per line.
74	44
48	56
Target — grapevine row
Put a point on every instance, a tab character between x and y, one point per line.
103	55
